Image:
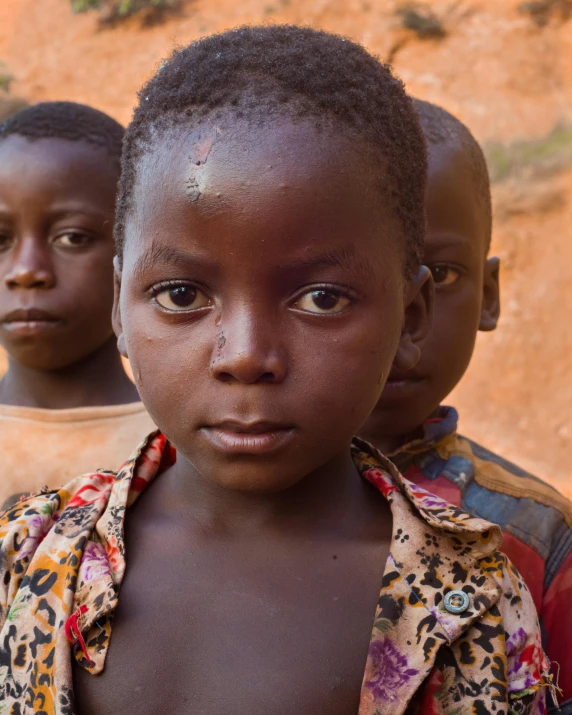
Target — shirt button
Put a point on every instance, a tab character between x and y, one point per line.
456	601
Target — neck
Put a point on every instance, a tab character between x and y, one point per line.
375	432
333	497
98	379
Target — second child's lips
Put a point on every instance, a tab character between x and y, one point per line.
30	321
253	438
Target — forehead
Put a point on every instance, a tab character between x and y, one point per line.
56	167
279	180
454	205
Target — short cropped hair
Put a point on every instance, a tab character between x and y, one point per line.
442	128
284	70
66	120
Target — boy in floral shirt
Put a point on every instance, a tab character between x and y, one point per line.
269	230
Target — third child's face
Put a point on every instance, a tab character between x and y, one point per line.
466	298
57	203
261	298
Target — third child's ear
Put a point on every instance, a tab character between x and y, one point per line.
490	309
417	321
116	313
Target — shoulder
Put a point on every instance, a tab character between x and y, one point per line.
495	473
500	491
42	518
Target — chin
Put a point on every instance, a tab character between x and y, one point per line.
247	476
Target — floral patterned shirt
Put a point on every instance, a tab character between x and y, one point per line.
62	561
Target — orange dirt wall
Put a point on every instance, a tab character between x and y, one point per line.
506	78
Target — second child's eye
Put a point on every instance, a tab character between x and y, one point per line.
72	239
322	302
444	275
5	241
182	298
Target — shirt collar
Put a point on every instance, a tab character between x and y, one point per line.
434	430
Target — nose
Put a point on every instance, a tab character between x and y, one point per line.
248	350
31	267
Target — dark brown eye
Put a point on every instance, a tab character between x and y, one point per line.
72	239
5	241
181	298
322	301
443	274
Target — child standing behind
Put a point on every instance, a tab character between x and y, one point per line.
66	403
420	436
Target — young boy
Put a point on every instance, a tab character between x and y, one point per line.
420	436
66	403
269	229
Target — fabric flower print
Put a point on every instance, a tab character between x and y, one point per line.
387	671
94	563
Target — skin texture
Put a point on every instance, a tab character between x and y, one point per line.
57	201
467	299
266	562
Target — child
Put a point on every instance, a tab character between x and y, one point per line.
66	403
421	437
269	228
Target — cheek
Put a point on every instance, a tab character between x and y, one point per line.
343	374
89	283
169	363
453	337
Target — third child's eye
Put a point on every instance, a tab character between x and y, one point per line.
444	275
181	298
322	302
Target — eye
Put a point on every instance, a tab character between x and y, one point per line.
182	298
5	241
72	239
444	275
322	302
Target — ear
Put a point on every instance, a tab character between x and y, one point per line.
490	309
116	312
417	321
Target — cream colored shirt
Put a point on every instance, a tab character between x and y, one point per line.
40	447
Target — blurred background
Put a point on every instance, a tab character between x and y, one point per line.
503	67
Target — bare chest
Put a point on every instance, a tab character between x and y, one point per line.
245	628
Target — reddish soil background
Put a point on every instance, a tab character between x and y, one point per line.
506	77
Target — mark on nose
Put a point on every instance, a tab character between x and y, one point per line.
221	341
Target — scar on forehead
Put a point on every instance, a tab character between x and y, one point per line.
198	158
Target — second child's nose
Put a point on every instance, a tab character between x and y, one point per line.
31	267
248	354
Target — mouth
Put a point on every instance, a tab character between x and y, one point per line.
30	321
396	385
248	438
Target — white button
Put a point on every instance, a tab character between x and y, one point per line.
456	601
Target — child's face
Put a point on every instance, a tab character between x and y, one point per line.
466	297
57	201
261	298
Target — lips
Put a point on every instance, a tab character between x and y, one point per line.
30	321
248	438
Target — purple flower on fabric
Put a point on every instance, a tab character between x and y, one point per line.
387	670
38	527
94	563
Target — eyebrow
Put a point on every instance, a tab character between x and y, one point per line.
345	258
447	240
159	253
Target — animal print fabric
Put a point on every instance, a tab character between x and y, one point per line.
62	560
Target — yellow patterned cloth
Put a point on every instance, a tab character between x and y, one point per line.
63	560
